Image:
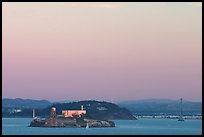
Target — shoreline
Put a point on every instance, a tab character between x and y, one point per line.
140	117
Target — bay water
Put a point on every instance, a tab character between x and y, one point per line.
142	126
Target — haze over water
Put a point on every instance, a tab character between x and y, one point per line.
103	51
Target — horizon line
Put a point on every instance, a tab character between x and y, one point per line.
103	100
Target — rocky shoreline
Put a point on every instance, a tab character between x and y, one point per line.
71	122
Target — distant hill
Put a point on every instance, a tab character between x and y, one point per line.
106	110
95	109
25	103
159	106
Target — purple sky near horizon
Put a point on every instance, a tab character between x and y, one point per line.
103	51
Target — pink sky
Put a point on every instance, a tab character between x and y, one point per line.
102	51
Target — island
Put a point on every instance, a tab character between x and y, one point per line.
70	118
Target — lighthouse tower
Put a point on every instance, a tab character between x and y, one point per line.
53	112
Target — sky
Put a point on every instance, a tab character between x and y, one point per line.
102	51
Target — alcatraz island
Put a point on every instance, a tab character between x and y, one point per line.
69	118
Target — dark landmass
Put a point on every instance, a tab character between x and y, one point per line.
95	109
162	106
25	103
102	110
